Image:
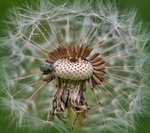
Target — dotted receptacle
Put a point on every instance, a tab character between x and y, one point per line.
79	70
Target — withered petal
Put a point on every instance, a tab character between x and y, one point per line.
83	51
96	60
88	51
90	83
94	56
101	78
48	78
101	73
51	61
96	79
99	68
79	51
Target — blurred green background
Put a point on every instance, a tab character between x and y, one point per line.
143	8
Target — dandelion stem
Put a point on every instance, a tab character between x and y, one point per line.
79	120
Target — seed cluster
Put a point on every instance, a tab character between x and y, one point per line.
73	67
79	70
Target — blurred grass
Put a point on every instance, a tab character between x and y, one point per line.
143	7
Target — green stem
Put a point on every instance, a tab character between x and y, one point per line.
78	123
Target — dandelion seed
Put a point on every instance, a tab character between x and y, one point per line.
90	68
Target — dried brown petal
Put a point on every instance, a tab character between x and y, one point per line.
79	51
48	78
94	56
88	51
96	60
101	78
83	51
51	61
99	67
90	83
101	73
96	79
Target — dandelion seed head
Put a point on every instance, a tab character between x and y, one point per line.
90	58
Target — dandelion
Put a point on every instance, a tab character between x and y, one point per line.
75	63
